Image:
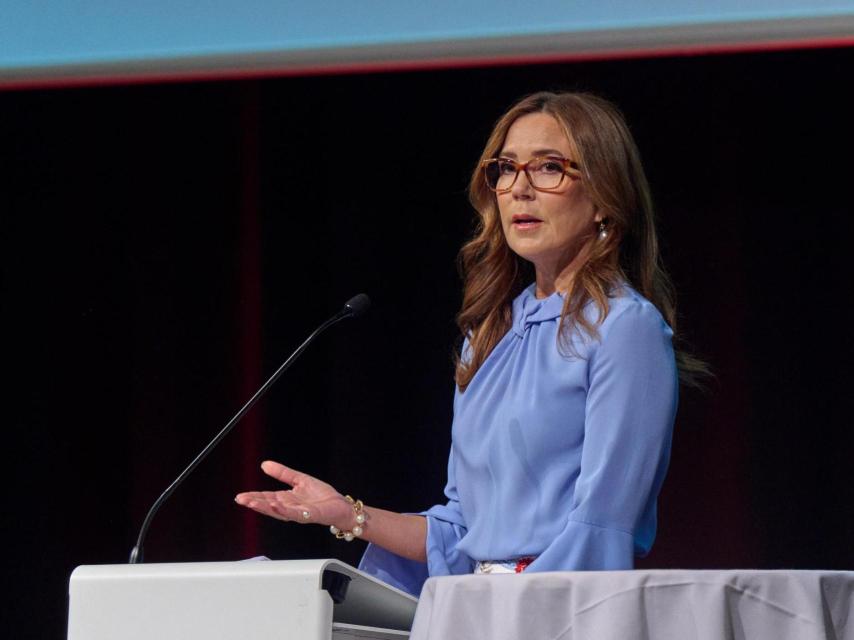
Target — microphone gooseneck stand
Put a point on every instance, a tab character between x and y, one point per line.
354	307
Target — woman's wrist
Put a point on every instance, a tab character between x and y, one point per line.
356	527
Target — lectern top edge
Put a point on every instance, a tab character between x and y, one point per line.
236	568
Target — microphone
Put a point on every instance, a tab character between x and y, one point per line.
357	305
354	307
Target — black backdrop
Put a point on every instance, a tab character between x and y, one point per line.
164	247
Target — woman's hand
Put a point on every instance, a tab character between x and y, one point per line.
312	500
308	500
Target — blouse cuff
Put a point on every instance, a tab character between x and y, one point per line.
582	546
407	575
444	531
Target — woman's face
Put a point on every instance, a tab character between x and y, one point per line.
549	229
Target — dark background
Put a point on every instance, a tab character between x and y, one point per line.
164	247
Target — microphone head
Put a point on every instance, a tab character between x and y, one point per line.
357	305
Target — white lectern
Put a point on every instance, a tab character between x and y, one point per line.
267	600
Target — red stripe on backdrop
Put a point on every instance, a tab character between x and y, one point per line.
468	62
250	315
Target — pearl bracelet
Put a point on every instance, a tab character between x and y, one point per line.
355	532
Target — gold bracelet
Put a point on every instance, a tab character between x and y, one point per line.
355	532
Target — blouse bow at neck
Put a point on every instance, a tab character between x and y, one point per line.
528	309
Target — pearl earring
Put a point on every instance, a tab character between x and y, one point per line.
603	230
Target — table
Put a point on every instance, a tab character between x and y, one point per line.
639	605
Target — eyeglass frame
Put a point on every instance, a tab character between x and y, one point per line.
570	167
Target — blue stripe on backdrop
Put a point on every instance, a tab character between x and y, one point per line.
38	34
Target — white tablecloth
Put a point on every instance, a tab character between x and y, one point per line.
639	605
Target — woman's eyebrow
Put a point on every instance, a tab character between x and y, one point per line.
549	152
535	152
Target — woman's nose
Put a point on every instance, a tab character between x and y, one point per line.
522	187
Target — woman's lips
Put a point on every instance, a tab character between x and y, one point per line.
525	221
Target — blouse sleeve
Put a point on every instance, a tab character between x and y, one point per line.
445	528
629	414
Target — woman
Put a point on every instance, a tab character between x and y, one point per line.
566	387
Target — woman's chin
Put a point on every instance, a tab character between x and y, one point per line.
530	249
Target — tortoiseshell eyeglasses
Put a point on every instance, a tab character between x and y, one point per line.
544	173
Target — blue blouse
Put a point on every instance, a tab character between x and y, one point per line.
554	455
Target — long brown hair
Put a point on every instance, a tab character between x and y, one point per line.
614	180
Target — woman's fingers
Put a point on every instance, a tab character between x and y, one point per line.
285	498
277	506
295	513
281	473
309	500
256	503
245	498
